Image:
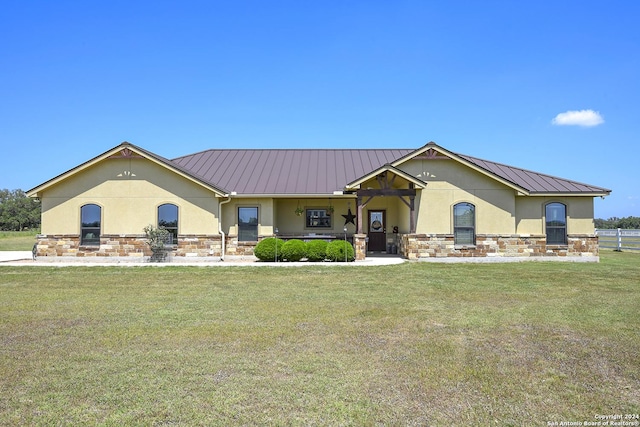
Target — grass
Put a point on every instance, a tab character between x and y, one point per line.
412	344
17	240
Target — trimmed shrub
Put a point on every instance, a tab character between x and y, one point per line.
265	250
339	250
316	250
294	250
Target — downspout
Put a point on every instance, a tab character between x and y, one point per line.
220	223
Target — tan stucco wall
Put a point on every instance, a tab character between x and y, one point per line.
290	223
265	215
530	214
449	183
129	192
282	213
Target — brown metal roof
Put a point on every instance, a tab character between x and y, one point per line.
321	172
285	171
534	182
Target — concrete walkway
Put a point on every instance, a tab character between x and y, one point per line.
24	258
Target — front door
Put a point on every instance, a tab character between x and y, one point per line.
377	231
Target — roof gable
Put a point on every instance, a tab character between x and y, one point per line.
125	150
524	181
386	168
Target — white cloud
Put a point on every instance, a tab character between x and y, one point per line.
586	118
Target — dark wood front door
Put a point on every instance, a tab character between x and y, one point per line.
377	231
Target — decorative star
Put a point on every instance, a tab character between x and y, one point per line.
349	217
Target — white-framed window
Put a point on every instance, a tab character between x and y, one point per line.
248	224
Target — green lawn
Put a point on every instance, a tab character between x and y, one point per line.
17	240
412	344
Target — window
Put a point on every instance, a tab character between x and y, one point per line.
90	220
248	224
464	224
318	218
168	218
556	224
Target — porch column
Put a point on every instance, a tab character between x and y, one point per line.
360	210
412	215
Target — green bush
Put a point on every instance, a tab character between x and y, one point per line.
294	250
266	249
316	250
339	250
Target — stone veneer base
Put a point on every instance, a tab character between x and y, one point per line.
497	247
57	245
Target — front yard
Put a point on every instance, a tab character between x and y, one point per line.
413	344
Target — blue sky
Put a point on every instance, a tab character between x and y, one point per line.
551	86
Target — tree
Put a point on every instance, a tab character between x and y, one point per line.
18	212
630	222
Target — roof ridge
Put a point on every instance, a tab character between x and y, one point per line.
293	149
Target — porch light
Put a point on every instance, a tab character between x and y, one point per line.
345	243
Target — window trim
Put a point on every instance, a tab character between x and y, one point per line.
472	228
95	241
257	225
174	235
555	227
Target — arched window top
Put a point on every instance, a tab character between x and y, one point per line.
90	214
556	212
168	215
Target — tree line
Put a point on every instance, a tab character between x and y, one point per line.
19	212
630	222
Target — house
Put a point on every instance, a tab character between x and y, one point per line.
419	203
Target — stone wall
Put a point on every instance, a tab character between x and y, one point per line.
236	248
199	246
421	246
125	246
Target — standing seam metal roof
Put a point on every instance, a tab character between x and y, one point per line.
323	171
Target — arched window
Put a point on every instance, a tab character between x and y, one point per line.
556	223
464	224
168	218
90	221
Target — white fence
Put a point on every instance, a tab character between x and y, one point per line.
619	239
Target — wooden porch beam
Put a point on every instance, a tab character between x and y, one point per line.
387	192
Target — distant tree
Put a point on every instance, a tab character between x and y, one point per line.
17	211
630	222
